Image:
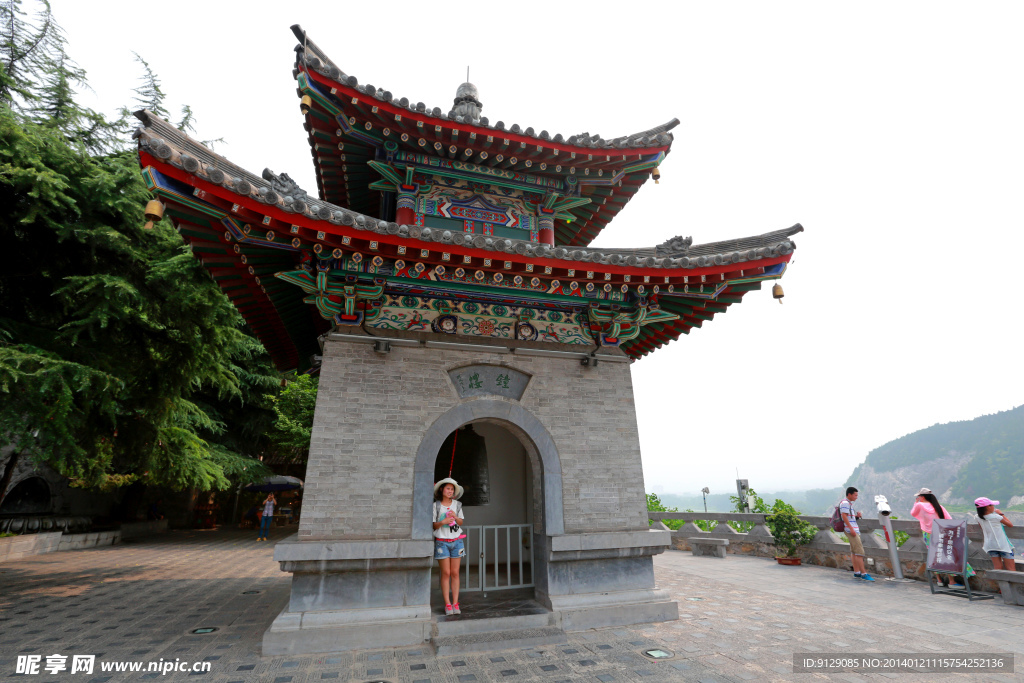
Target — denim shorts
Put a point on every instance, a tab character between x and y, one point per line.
1001	553
446	549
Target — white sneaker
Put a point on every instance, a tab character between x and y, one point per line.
455	609
448	610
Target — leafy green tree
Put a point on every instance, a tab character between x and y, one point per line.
757	506
780	518
654	504
120	360
293	408
26	49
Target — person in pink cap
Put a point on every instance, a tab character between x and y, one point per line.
993	523
926	510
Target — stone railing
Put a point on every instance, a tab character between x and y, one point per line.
828	548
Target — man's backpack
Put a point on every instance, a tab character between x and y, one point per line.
836	521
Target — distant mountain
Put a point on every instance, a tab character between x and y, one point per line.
812	502
959	461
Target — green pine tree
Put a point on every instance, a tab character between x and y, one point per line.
120	360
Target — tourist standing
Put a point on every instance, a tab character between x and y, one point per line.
268	517
997	544
449	540
926	510
852	530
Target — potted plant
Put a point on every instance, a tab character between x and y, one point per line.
790	533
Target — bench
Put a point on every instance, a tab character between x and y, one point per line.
708	547
1011	585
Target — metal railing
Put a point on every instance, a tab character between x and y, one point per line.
498	557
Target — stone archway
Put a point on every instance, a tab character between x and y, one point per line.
31	495
531	434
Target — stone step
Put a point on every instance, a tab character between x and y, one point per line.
457	627
498	640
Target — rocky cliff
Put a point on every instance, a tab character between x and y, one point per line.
959	461
899	485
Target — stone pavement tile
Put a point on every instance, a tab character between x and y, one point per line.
140	589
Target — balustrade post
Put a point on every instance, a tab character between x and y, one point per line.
689	529
976	555
914	544
825	538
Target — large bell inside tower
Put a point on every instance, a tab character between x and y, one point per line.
468	465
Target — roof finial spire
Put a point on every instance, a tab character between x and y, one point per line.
467	102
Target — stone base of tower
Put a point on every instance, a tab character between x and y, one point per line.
352	595
362	559
604	579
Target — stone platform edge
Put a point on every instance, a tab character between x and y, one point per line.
291	549
27	545
598	545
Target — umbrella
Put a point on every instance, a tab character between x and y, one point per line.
276	482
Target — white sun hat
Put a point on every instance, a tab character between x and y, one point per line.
448	480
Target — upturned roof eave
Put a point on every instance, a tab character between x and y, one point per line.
328	69
768	248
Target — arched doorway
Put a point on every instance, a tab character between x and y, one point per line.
494	467
29	496
518	434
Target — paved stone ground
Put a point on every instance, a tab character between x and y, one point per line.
741	619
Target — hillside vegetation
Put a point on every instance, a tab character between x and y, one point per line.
988	450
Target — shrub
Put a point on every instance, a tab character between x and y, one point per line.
790	532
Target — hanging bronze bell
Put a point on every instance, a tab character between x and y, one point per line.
154	213
656	174
305	104
468	466
777	292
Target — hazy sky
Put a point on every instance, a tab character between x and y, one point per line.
892	131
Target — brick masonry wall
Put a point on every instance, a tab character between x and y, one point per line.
372	412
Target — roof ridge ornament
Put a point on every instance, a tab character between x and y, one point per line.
284	186
677	246
467	102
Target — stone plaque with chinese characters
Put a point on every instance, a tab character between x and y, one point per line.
486	380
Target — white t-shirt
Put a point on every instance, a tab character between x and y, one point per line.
995	534
846	505
446	531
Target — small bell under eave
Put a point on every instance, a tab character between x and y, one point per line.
777	292
154	213
656	174
305	104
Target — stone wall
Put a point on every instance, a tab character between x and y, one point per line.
17	547
828	549
374	409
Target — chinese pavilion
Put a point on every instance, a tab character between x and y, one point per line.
442	281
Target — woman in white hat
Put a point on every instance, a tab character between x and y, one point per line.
449	540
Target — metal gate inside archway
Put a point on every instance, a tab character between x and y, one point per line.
498	557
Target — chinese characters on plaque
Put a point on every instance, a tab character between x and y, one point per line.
483	380
947	551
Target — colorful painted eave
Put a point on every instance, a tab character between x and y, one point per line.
245	233
347	122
